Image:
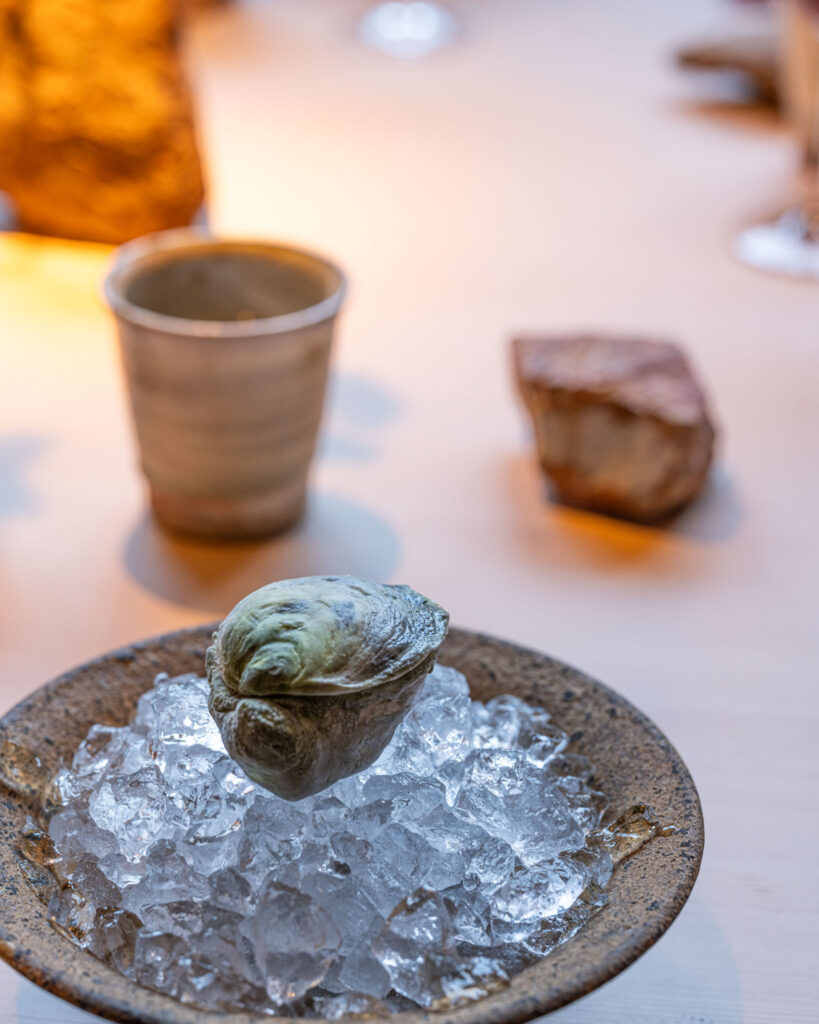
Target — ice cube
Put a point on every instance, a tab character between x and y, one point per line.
530	897
413	946
166	878
294	941
87	878
362	972
230	890
160	962
441	717
113	936
130	807
180	716
71	915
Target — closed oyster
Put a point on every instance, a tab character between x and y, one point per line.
310	677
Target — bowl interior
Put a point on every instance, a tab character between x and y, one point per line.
634	764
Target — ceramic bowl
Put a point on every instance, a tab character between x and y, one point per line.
634	763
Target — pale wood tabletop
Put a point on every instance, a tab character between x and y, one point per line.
552	170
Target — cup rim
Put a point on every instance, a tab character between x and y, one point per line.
125	257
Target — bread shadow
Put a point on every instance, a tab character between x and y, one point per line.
560	530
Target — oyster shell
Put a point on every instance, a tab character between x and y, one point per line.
310	677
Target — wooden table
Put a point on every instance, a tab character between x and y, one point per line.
554	171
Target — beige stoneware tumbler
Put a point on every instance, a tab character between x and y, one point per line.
226	349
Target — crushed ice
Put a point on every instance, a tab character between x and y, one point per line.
468	850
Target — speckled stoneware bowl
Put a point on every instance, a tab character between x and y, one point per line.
634	764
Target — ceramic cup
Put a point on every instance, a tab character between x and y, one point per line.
226	348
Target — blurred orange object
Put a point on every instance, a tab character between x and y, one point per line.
96	125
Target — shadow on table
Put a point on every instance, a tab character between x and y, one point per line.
335	536
716	515
690	975
733	114
556	530
36	1006
16	454
356	407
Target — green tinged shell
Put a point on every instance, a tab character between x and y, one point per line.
320	635
310	677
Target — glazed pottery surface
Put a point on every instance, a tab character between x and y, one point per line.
634	763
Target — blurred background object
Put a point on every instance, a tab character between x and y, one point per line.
799	74
621	424
408	28
789	243
755	58
96	124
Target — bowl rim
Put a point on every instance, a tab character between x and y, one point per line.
541	988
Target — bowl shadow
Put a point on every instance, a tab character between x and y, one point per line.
691	967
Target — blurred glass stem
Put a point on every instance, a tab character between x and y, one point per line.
799	74
790	243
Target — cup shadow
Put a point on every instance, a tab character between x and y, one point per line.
335	536
357	408
16	453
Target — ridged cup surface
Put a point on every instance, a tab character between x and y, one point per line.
226	350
